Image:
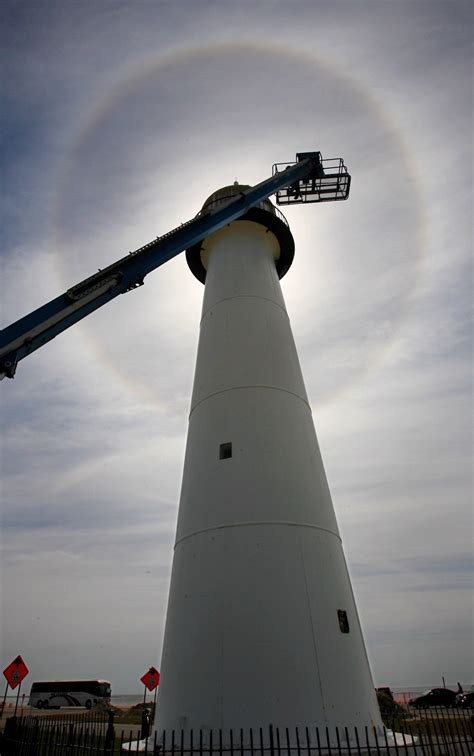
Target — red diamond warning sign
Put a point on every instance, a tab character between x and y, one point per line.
16	672
151	678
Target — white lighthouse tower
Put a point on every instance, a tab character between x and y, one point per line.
262	626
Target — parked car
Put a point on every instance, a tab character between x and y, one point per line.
434	697
465	700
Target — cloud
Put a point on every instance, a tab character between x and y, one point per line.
118	126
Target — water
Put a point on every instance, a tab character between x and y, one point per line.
401	694
131	699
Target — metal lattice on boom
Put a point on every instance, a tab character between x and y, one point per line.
309	179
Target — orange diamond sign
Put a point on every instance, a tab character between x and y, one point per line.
16	672
151	678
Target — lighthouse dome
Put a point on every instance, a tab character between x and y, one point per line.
263	213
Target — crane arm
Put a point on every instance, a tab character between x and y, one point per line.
32	331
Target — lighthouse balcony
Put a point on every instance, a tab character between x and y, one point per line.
263	213
330	181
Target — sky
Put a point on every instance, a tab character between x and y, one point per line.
118	120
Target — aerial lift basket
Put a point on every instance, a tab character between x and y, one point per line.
329	181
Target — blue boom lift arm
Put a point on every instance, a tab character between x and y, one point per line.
309	179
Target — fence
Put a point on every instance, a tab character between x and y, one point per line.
432	733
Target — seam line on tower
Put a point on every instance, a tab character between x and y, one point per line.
259	522
245	296
313	634
250	386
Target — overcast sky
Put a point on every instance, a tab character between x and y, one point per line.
119	118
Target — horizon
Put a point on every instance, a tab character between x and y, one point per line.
139	692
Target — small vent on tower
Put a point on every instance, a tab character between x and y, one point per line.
225	451
343	621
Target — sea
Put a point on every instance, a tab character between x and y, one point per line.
401	694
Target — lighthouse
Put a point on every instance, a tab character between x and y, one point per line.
262	626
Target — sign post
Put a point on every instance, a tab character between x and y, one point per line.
17	699
150	680
4	699
14	674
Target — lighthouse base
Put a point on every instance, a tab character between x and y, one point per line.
280	743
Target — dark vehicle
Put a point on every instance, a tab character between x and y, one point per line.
434	697
465	700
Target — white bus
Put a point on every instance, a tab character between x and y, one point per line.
56	693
